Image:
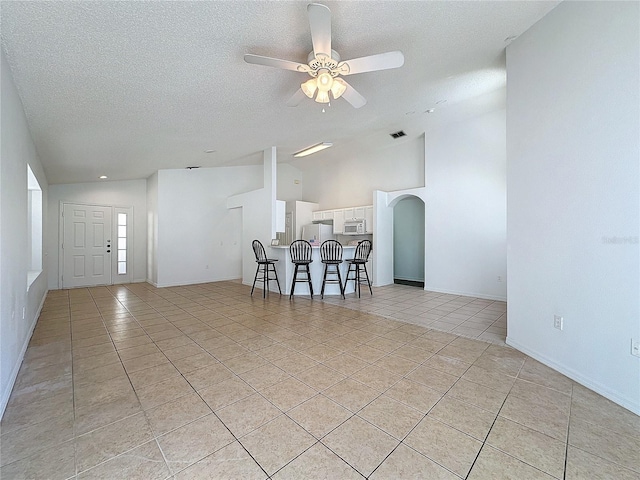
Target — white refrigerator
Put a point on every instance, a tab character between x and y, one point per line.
316	233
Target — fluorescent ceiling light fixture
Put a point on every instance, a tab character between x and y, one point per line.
313	149
102	177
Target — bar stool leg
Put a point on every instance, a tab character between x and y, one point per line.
324	279
368	281
265	281
293	282
275	272
340	281
309	279
255	278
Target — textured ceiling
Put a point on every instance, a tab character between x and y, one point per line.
127	88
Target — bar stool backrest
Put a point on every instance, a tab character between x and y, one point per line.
331	251
300	251
362	251
258	250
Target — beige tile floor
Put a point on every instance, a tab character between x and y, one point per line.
465	316
205	381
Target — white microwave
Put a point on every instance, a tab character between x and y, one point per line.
354	227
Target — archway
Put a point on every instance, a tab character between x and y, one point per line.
409	241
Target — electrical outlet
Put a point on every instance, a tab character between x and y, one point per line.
558	322
635	347
499	278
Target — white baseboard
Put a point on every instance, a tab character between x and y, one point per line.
409	279
484	296
16	368
192	282
629	404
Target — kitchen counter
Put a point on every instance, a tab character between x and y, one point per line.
285	268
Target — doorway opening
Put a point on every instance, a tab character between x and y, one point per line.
408	242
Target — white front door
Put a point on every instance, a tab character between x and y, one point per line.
86	245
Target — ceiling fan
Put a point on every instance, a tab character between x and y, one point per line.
325	66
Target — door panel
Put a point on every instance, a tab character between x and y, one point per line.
86	245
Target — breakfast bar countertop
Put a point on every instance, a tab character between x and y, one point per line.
285	270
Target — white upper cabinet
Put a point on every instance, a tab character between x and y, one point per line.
338	221
368	217
341	215
348	213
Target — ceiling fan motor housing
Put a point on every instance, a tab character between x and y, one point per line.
323	62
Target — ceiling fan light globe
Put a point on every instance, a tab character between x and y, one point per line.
309	87
338	88
322	97
324	81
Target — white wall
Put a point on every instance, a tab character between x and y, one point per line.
121	194
336	181
19	306
199	239
257	208
465	209
287	189
573	218
152	229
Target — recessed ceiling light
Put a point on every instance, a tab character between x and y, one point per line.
440	102
431	110
102	177
209	151
411	112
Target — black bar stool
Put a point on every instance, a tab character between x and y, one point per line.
300	251
265	265
331	256
359	262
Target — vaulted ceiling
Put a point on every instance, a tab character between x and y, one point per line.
126	88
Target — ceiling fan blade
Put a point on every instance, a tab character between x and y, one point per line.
276	62
296	98
352	96
320	23
381	61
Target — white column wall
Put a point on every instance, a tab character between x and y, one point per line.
257	208
152	229
465	207
573	212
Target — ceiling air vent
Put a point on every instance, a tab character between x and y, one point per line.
398	134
